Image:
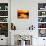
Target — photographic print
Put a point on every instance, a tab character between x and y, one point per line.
4	29
41	6
41	25
23	14
42	32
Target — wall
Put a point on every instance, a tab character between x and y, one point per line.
24	24
29	5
